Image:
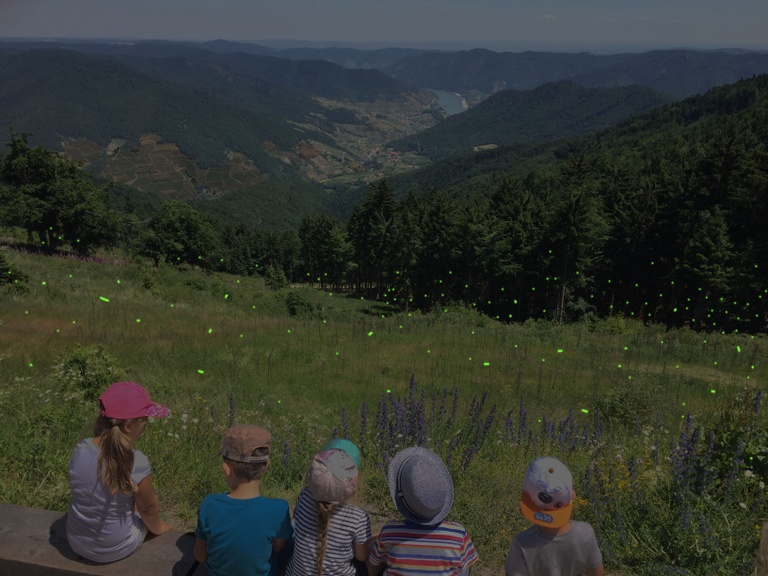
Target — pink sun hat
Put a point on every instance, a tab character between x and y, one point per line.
127	400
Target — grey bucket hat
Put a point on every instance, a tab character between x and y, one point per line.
420	486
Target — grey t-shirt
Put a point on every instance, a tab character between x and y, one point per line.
534	553
102	526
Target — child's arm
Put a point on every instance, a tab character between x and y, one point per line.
375	569
148	507
361	551
278	544
201	550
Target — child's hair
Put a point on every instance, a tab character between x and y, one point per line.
324	511
115	454
249	471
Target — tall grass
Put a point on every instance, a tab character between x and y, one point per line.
631	408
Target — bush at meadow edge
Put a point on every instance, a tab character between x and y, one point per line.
667	493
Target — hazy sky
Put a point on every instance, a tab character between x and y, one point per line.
505	24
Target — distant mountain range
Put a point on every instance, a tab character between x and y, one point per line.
203	120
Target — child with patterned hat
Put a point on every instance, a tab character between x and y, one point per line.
423	542
555	545
330	532
241	533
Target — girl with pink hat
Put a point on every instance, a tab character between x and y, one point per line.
113	504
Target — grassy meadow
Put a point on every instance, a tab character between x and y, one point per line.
662	430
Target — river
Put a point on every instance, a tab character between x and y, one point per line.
451	102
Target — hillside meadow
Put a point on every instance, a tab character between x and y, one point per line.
663	430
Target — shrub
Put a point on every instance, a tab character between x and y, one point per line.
275	278
298	305
88	369
11	276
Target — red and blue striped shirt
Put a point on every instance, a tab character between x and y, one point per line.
412	550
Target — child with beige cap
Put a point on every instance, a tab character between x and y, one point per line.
241	533
330	532
555	545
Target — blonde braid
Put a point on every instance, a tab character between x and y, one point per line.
324	511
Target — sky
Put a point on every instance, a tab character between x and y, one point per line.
567	25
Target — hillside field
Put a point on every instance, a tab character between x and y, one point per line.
662	429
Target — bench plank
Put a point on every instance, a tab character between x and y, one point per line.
33	542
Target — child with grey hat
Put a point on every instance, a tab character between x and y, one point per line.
242	532
554	545
423	542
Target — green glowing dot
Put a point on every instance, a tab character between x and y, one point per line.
201	371
713	391
31	365
57	330
486	363
241	335
738	348
429	351
103	299
585	411
389	391
118	280
370	333
226	296
289	331
279	401
44	282
559	350
618	366
138	320
337	353
210	330
543	359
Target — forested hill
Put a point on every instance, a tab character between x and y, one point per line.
61	95
660	218
551	111
678	72
681	127
187	123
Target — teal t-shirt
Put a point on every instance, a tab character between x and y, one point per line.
239	533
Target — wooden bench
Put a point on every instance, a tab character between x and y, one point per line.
33	542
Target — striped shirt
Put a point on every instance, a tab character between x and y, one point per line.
412	550
347	525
